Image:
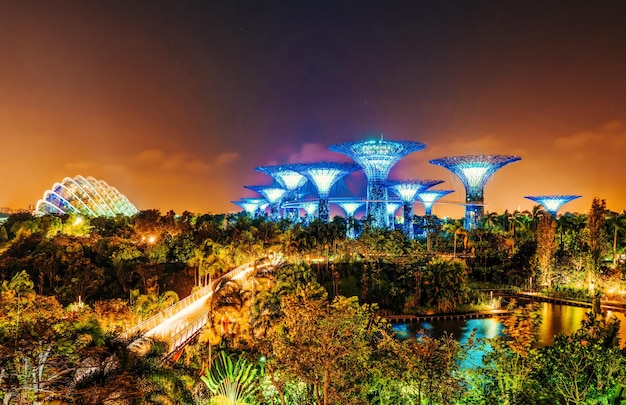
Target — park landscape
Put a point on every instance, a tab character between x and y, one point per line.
311	329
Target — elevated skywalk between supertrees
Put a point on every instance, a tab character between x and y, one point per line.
178	324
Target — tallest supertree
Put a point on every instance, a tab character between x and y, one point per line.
377	157
474	171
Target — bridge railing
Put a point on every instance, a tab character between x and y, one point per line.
179	338
186	332
158	318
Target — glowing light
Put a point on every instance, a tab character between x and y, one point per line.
392	207
85	196
350	207
429	197
407	190
324	174
377	157
474	171
552	203
151	239
251	205
309	207
286	177
272	194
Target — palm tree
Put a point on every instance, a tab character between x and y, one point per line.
231	383
616	222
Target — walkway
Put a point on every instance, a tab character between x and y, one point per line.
177	324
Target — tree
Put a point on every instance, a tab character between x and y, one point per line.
546	247
325	345
595	234
445	284
616	224
230	383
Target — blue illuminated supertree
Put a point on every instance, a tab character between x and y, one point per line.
274	196
252	206
552	203
429	197
392	207
474	171
407	190
288	179
309	207
324	175
377	157
350	207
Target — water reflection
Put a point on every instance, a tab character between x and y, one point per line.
555	319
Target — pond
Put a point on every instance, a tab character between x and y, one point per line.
555	319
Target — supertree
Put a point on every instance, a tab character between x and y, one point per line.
377	157
350	207
552	203
252	206
309	207
474	171
324	175
392	207
274	196
288	179
407	190
429	197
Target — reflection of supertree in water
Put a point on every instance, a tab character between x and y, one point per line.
324	175
288	179
274	196
429	197
350	207
474	171
407	190
552	203
252	206
377	157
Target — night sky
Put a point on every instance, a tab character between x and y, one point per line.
175	102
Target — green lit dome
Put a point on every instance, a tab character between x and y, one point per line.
86	196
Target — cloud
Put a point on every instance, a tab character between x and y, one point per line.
157	159
315	152
610	135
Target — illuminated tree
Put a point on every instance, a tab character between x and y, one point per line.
252	206
552	203
274	196
288	179
377	157
408	191
350	207
474	171
429	197
324	175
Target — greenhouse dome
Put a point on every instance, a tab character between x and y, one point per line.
86	196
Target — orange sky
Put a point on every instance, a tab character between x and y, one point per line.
175	103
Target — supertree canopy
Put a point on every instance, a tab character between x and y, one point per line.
251	206
392	207
85	196
377	157
429	197
349	207
474	171
324	175
290	180
552	203
407	191
274	195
